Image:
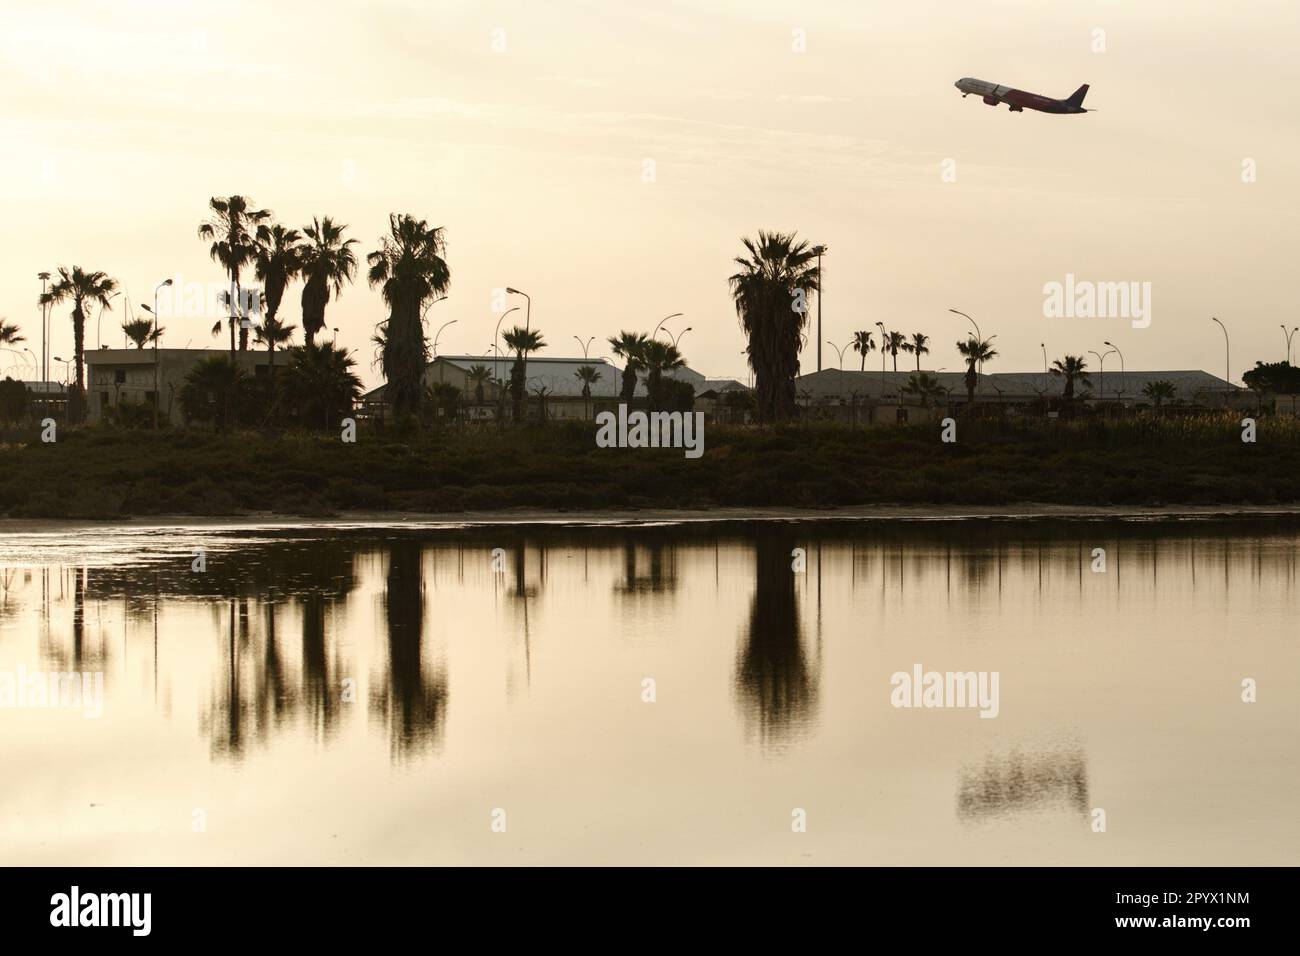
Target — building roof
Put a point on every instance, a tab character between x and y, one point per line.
832	383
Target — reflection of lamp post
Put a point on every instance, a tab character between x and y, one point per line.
1227	354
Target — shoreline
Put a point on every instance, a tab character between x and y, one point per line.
360	520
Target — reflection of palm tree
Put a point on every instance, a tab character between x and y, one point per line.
776	686
412	702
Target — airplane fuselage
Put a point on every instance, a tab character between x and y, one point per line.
1018	100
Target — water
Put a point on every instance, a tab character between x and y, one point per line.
387	696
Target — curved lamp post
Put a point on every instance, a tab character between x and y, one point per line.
157	397
1227	353
1288	341
439	333
1119	393
662	321
528	312
496	362
585	345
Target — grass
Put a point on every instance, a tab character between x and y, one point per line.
103	473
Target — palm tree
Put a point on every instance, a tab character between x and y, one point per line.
278	262
894	343
522	341
862	344
479	374
658	358
273	332
141	332
320	383
235	231
1159	391
1071	367
212	390
588	375
83	289
326	261
776	275
923	387
628	346
9	333
410	269
976	353
919	346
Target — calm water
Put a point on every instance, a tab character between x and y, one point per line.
378	696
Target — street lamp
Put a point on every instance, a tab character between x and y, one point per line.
1119	393
881	326
439	333
678	337
528	313
156	387
1288	341
496	368
1101	383
662	321
1227	354
820	251
585	345
45	311
99	339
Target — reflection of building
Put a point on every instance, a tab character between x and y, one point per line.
126	376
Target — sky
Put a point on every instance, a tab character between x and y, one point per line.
607	157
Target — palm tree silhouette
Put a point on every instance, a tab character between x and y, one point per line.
893	344
923	387
588	375
141	332
1159	391
320	383
478	375
326	261
657	358
277	263
770	291
9	333
272	333
522	341
83	289
863	342
410	269
628	346
1072	368
918	346
976	353
235	231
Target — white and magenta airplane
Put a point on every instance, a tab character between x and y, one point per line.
1019	100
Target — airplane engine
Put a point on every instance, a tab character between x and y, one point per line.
991	100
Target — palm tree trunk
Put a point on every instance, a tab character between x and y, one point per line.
78	356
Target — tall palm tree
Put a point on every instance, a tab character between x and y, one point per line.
273	332
894	343
777	273
326	261
141	332
235	230
863	342
320	383
479	375
410	269
212	390
1072	368
278	262
658	358
82	289
628	346
9	333
522	341
1159	391
919	346
976	353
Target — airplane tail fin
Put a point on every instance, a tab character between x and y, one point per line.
1076	98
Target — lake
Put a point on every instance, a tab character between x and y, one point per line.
833	692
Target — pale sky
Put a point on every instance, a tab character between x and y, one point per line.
120	120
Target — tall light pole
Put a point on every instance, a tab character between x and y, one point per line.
1101	362
1227	353
439	333
157	397
881	326
585	345
979	336
1119	393
45	310
820	250
528	312
662	321
1288	341
99	322
496	362
678	337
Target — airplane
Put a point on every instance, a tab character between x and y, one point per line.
1018	100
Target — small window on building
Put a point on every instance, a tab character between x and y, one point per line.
119	376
